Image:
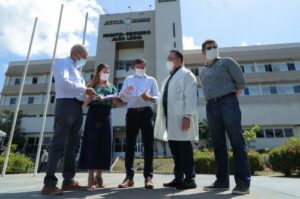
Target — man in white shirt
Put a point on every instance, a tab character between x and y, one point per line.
43	160
177	120
140	91
70	92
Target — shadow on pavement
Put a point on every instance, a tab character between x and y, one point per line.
116	193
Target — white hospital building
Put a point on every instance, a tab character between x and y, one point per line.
272	73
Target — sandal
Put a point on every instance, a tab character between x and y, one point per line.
91	183
99	182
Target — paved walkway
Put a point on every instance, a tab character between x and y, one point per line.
24	186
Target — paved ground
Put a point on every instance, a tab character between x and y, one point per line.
25	186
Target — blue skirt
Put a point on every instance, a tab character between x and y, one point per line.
96	148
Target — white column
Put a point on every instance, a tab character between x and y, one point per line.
37	159
12	130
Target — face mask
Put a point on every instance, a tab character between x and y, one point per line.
104	76
140	72
81	62
212	54
170	65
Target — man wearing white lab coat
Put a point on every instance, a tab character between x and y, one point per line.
177	120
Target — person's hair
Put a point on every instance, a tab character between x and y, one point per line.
178	54
139	61
78	48
95	80
208	41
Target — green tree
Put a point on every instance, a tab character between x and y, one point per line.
250	135
6	120
204	133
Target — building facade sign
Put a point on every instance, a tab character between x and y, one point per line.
163	1
121	36
127	21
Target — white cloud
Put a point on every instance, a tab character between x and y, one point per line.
244	44
189	43
17	18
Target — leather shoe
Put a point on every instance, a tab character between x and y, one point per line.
149	183
51	190
173	183
217	186
186	185
128	182
73	187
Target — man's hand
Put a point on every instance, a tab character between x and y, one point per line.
129	89
186	122
117	102
238	92
90	92
146	97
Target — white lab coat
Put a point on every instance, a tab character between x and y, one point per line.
182	100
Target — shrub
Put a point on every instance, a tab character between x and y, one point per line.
17	163
205	162
286	158
256	161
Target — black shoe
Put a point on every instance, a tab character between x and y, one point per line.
173	183
240	190
186	185
216	186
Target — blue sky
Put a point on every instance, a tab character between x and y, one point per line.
230	22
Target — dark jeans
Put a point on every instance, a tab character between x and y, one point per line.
65	140
136	120
42	167
182	152
224	115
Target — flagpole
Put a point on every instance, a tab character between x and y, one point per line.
37	159
84	29
12	130
84	32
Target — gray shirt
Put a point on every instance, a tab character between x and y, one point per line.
221	78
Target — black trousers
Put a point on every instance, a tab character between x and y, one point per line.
139	119
182	152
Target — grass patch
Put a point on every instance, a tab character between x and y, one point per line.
166	165
160	165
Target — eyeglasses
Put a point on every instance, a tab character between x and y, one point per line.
171	58
82	55
211	47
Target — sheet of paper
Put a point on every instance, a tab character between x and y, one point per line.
108	97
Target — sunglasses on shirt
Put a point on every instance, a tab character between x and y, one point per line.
211	47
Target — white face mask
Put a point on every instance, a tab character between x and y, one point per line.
212	54
80	63
170	65
140	72
104	76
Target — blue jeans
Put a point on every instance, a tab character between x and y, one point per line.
65	140
225	115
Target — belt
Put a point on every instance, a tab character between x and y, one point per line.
80	102
140	109
215	99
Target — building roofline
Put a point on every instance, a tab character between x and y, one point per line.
42	61
249	48
126	13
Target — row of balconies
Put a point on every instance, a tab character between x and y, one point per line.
251	78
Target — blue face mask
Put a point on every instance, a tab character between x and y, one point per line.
80	63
